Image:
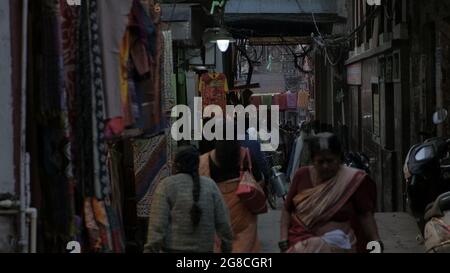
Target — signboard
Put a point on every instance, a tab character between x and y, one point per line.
354	74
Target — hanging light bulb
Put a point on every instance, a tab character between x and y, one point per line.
223	45
220	36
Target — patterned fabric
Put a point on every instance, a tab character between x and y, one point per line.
124	88
69	16
150	157
101	179
48	111
303	100
83	107
213	88
291	100
169	94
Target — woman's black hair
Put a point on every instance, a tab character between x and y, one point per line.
325	142
228	152
187	161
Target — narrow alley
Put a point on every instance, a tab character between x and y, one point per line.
224	126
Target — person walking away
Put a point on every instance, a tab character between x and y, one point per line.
223	166
188	211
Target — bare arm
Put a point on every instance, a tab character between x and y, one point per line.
285	223
284	229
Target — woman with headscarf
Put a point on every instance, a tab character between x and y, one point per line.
330	207
187	211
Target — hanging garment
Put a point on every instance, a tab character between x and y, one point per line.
291	100
276	100
101	179
147	53
112	23
266	100
150	167
256	100
169	91
124	88
50	151
213	88
83	127
280	100
283	102
303	100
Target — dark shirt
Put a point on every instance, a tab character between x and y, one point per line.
259	162
220	175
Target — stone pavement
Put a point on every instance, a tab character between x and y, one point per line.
397	230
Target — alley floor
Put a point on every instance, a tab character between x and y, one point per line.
398	231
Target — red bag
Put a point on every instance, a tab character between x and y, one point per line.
249	191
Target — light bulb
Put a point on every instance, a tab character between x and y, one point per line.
223	45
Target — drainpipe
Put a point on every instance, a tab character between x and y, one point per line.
23	242
33	214
7	210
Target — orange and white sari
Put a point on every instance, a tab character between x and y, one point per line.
316	206
243	222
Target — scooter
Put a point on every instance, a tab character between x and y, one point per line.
278	182
427	175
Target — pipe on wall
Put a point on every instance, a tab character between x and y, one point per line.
32	214
23	240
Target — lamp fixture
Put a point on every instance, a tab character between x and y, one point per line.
219	36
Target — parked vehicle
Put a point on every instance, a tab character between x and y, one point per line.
427	175
278	183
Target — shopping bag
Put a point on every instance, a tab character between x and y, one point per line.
249	191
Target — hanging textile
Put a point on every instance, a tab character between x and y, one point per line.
256	100
112	18
169	94
146	54
50	149
69	17
150	159
291	100
303	100
280	100
266	100
101	179
213	88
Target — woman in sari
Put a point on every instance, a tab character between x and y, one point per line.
329	207
223	165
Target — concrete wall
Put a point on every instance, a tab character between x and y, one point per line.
7	184
6	132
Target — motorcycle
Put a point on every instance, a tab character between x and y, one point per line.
427	175
278	182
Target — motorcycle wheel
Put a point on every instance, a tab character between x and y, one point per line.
271	197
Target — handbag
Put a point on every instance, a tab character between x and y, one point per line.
249	191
